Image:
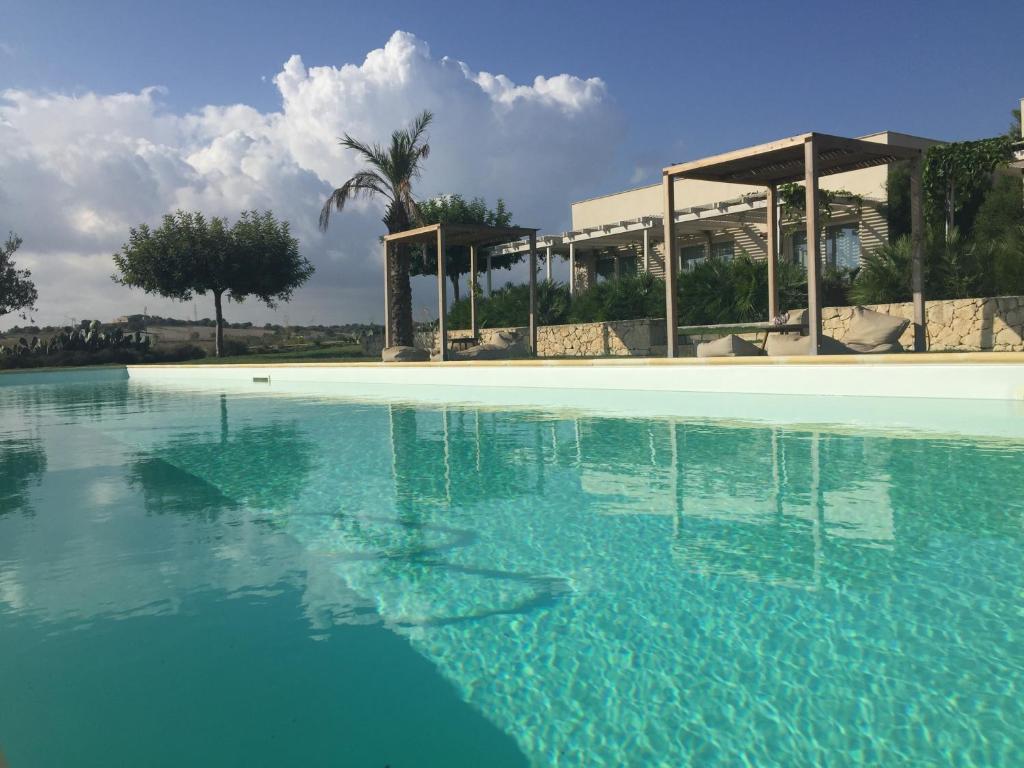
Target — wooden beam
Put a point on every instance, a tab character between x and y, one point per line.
647	250
813	245
412	234
772	246
472	290
738	154
442	295
917	257
547	263
387	294
572	269
488	275
668	222
533	293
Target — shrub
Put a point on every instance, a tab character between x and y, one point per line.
884	275
736	291
108	356
509	306
628	298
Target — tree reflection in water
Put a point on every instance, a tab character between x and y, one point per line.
22	464
263	466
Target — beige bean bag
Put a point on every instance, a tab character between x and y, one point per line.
729	346
875	332
404	355
787	344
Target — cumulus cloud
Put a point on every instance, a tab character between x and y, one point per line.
76	171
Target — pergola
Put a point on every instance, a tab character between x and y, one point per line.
805	158
474	236
646	231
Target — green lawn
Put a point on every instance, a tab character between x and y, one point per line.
326	353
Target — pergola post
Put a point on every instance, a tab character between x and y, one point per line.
442	295
472	290
572	269
772	246
647	249
387	295
533	293
671	317
547	263
917	257
813	246
489	258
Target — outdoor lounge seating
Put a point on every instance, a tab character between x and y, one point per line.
729	346
506	345
788	344
404	355
875	332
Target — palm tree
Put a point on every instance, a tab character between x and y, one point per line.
390	175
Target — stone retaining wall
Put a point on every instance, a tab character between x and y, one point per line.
961	325
954	325
619	338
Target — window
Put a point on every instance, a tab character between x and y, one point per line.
799	248
605	265
722	251
842	246
690	256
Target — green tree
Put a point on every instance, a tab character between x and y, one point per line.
188	254
17	291
957	175
390	175
455	209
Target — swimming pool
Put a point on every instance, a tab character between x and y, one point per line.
194	576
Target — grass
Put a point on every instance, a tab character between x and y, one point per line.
326	353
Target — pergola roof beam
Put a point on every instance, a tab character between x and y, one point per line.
782	161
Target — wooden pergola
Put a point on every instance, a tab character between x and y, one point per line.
474	236
805	158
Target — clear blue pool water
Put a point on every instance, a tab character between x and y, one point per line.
194	578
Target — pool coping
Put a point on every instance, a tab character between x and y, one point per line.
915	358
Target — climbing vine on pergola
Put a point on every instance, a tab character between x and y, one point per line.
793	205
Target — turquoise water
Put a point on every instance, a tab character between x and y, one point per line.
194	578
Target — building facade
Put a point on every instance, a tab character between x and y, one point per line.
622	233
856	223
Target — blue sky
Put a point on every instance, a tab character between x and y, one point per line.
696	77
680	79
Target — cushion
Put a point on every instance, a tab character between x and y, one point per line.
786	344
404	355
797	316
889	348
729	346
874	332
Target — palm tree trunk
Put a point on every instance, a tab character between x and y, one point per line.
401	299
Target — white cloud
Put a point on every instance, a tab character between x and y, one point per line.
77	170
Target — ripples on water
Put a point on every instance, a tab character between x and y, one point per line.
314	582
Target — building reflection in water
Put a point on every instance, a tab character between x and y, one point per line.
778	505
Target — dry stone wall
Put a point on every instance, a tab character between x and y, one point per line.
954	325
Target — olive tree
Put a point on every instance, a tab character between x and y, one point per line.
17	291
188	254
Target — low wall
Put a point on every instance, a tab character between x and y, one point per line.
954	325
618	338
